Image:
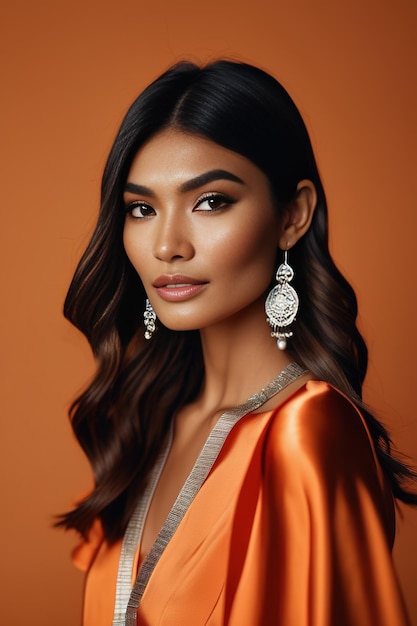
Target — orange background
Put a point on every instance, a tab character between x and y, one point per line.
69	70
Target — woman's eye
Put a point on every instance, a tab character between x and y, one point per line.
139	210
213	202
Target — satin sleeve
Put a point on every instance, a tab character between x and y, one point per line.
326	522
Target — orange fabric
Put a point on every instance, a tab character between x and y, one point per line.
293	526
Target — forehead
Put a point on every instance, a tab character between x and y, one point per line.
178	154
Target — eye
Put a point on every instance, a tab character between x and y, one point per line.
213	202
139	210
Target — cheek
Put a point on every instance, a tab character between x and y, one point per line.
250	252
135	251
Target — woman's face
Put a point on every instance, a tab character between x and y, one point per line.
201	230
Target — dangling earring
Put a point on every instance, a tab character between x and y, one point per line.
149	319
281	305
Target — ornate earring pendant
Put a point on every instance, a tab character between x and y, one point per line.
281	305
149	319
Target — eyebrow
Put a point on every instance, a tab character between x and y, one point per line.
189	185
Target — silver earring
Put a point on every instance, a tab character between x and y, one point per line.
149	319
281	305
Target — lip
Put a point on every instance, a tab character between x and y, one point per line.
178	287
176	279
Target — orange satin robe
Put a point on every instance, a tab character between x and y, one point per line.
293	527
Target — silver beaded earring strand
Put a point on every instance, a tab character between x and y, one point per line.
281	305
149	319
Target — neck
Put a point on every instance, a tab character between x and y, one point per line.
240	357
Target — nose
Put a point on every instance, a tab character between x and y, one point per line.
173	239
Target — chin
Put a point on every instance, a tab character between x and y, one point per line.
179	326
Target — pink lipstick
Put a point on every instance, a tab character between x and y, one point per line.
178	287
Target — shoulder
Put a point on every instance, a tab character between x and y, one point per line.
319	456
85	552
323	429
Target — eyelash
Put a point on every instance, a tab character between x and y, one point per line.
137	204
225	202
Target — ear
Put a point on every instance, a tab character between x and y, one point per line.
297	215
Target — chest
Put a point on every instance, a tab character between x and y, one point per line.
186	446
209	544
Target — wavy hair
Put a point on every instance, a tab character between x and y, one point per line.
123	416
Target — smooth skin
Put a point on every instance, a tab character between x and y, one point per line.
203	233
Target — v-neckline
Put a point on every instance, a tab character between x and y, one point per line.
127	598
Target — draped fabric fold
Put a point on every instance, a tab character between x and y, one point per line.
293	526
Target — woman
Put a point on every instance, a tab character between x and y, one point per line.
239	479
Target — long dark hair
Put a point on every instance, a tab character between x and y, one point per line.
122	418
